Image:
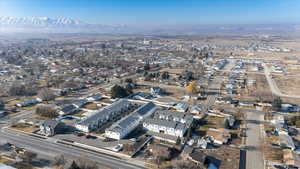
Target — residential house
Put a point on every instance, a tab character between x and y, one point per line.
28	103
69	109
219	136
169	123
246	103
286	141
104	115
142	96
127	124
51	127
200	158
226	100
95	97
197	109
80	103
182	107
157	91
289	108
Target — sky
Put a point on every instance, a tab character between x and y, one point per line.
159	12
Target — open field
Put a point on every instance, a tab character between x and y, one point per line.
24	127
288	85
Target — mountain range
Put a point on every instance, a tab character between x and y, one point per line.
38	21
55	25
68	25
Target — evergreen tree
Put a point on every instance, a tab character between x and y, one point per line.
147	67
74	166
118	92
277	103
178	141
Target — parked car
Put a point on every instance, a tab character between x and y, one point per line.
133	139
79	134
91	137
117	148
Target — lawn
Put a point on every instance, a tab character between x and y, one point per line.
79	114
13	103
92	106
213	122
24	127
107	101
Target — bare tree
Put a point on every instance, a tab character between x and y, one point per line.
46	111
180	164
29	156
46	94
59	161
84	163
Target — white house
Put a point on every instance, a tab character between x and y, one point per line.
197	109
167	122
218	136
104	115
181	107
123	127
166	127
127	124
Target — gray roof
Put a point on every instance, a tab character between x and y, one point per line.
136	116
170	119
166	123
68	108
51	123
107	111
96	96
198	107
173	116
145	109
81	103
123	123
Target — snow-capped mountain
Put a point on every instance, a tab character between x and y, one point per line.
39	21
57	25
67	25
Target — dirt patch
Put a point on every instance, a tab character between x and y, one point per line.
230	157
24	127
288	85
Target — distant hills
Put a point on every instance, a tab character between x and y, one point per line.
55	25
38	22
68	25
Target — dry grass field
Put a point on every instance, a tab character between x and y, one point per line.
288	85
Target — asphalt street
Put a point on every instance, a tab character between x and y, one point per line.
216	84
254	140
51	149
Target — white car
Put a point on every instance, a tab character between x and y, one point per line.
118	148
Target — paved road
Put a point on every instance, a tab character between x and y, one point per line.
216	84
51	149
273	86
254	140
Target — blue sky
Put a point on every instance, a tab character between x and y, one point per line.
159	12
